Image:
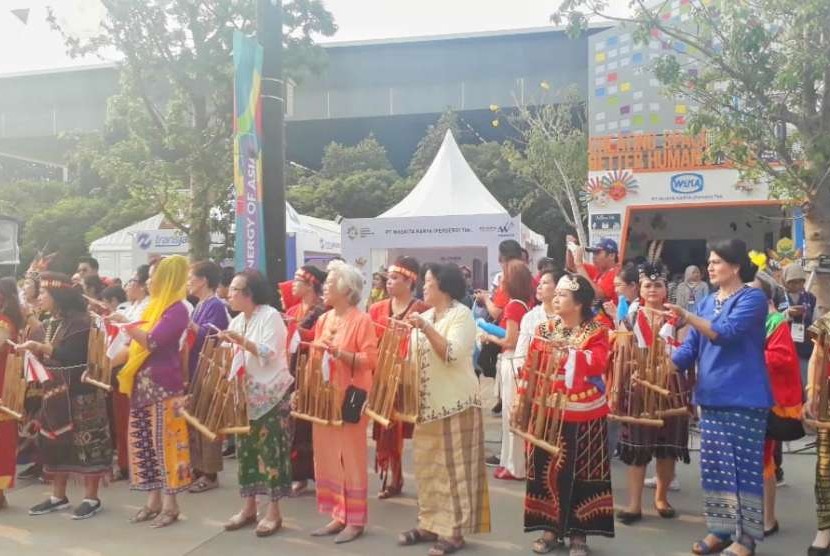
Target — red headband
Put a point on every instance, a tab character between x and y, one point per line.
51	283
403	272
306	276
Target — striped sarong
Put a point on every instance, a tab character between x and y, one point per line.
453	498
732	471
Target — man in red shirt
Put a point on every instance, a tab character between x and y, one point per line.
601	273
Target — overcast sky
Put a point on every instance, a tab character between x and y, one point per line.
34	46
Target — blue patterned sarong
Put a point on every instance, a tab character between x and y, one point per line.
732	471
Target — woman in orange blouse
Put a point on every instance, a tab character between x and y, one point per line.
348	335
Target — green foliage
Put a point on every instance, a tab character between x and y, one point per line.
354	181
428	146
167	141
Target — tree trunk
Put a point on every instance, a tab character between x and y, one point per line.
576	211
817	235
199	219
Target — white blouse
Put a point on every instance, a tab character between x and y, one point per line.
267	376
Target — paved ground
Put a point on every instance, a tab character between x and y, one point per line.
200	533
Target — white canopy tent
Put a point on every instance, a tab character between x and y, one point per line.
450	216
315	241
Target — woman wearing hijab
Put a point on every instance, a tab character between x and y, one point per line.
691	290
153	377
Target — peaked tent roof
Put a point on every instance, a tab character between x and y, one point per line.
449	188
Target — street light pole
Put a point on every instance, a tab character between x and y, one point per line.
269	33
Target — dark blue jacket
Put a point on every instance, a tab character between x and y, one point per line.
731	369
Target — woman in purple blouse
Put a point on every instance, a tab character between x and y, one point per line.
154	379
209	316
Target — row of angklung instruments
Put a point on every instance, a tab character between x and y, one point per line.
643	388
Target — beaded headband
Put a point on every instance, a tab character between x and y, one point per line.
306	276
403	272
652	271
567	283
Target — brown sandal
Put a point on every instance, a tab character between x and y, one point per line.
416	536
443	546
238	521
203	484
145	514
269	528
165	519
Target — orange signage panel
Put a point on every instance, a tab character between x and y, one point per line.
649	151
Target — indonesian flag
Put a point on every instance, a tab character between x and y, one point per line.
237	363
570	368
643	331
667	332
35	371
127	325
117	339
295	343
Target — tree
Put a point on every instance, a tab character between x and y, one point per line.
763	91
354	181
430	143
168	133
551	152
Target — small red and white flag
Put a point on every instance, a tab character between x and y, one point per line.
237	363
643	331
570	368
35	371
668	333
294	345
128	325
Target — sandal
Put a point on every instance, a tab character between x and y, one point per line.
238	521
144	514
298	488
390	492
348	536
165	519
267	528
702	547
579	549
416	536
667	512
729	552
544	546
203	484
443	546
627	518
331	529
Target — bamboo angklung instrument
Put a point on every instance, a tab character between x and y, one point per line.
216	405
645	388
99	367
820	382
396	382
13	392
539	414
317	399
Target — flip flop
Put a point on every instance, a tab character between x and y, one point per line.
415	536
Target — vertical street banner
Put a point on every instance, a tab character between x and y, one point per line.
247	153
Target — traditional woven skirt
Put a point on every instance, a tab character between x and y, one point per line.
302	451
265	455
823	478
340	472
8	452
638	444
159	448
732	474
389	452
84	447
205	456
453	498
571	494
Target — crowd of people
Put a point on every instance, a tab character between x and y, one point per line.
741	341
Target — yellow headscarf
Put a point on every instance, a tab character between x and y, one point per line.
168	285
